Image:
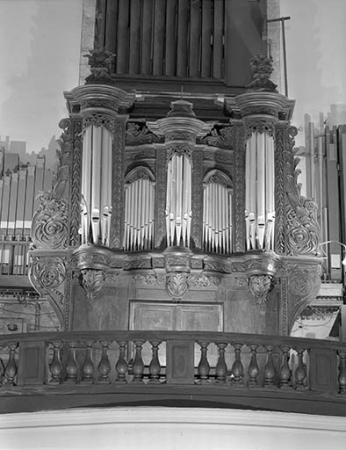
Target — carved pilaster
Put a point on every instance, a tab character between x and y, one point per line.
160	193
280	188
76	181
239	188
197	198
118	183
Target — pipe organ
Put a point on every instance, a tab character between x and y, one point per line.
178	200
139	210
217	214
259	192
96	185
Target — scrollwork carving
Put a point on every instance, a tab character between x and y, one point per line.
203	280
302	227
47	275
49	224
180	136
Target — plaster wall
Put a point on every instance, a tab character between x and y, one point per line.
170	429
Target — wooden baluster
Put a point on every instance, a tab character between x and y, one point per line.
269	369
121	366
300	373
88	365
237	368
342	371
2	371
55	365
11	368
138	365
221	367
104	366
285	372
155	367
203	366
72	366
253	370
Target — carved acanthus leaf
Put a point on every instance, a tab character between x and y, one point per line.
222	137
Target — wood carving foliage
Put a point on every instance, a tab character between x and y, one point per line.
139	134
239	195
222	137
118	184
76	183
280	185
302	227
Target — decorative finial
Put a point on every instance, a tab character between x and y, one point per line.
100	62
262	67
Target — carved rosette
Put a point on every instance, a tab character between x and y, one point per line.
260	286
92	281
49	224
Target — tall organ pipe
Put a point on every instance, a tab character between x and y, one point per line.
96	185
259	195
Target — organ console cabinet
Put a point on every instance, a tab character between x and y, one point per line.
177	208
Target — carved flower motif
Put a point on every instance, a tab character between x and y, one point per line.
50	272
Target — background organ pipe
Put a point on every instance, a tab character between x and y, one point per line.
179	198
230	222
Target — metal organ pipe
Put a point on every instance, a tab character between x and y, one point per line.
217	218
178	201
96	185
259	195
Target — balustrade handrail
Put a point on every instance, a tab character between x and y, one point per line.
209	336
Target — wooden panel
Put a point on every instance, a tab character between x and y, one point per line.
323	370
180	362
32	362
159	36
195	38
152	316
171	18
122	37
135	17
100	24
146	37
182	46
200	317
207	20
218	38
111	25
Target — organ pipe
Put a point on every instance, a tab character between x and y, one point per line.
217	218
259	196
96	204
139	215
178	201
